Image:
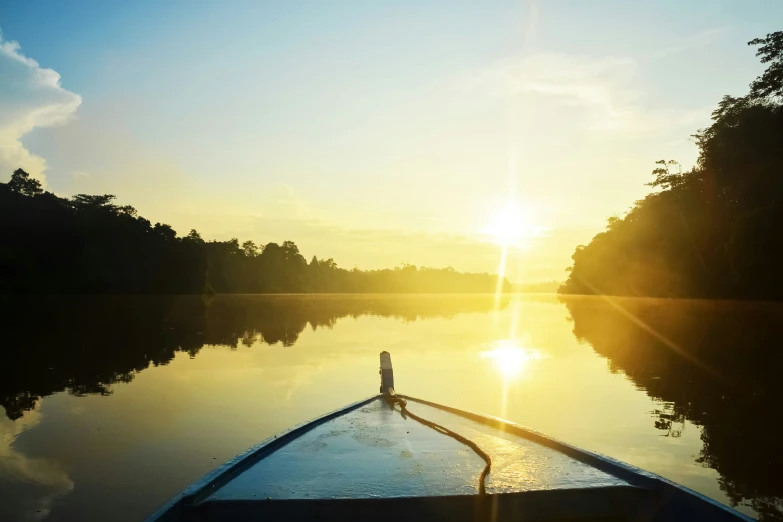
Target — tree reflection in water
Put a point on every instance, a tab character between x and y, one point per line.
716	364
86	344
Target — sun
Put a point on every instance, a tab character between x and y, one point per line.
512	225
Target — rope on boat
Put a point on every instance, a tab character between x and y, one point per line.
393	399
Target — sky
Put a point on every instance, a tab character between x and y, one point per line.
436	133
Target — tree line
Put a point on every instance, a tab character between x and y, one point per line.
88	244
713	231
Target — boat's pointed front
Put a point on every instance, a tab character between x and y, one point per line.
388	459
375	451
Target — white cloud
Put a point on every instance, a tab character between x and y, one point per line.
582	94
601	85
30	97
36	482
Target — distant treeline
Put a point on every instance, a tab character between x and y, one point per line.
714	231
88	244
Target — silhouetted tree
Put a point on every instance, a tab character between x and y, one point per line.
713	231
90	244
23	184
770	51
249	249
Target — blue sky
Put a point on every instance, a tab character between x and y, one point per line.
373	132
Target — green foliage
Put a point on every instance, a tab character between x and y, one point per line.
89	244
712	231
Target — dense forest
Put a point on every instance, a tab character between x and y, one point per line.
713	231
88	244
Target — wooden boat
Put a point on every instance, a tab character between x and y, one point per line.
396	458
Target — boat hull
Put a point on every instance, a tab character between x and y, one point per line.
369	461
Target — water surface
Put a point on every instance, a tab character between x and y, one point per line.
109	406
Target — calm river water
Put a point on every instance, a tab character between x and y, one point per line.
109	406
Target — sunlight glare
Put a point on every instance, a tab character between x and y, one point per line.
510	358
512	225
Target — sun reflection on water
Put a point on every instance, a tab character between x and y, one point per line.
511	358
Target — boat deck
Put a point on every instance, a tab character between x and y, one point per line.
371	462
375	452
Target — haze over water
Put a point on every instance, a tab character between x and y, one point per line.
112	405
